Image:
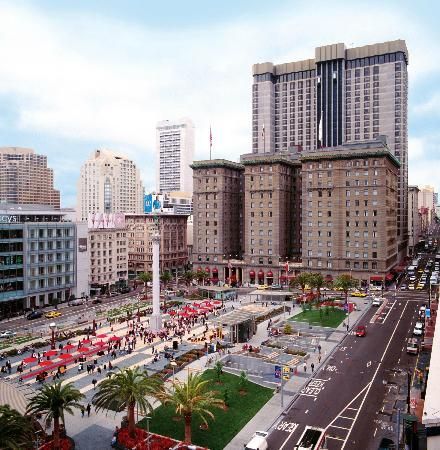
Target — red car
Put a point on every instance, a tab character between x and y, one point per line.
361	331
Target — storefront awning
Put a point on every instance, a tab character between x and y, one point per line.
252	273
215	270
389	277
376	278
328	277
270	274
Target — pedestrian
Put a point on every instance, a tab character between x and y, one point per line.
88	408
94	381
319	359
319	348
313	367
82	411
305	367
347	327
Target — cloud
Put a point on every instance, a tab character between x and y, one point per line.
95	79
429	106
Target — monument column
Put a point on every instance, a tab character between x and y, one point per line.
156	318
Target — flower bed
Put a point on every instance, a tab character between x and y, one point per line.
156	441
66	443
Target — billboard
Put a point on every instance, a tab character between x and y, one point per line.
148	203
106	221
82	244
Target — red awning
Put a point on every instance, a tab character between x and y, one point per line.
328	277
399	269
389	276
199	269
376	278
215	270
252	273
282	277
260	274
269	274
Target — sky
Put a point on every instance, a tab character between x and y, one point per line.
77	76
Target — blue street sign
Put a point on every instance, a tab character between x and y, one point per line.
427	313
278	372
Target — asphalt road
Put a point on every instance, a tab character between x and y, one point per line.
345	395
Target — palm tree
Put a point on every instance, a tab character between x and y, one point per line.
188	277
145	277
124	390
317	282
54	400
201	276
189	398
16	431
344	283
301	280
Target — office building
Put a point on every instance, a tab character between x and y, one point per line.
175	153
349	204
39	250
414	218
25	178
173	244
342	96
427	204
109	183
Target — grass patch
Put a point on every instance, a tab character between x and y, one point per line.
5	343
227	423
323	317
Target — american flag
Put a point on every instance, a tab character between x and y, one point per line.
210	141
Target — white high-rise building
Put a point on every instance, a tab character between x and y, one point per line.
109	183
175	152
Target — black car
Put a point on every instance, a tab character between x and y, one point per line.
124	290
96	301
34	315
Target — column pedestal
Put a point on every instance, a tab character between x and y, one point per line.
155	322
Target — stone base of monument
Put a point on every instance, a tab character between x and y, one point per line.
155	322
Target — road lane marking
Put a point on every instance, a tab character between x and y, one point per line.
374	376
341	428
344	417
353	409
306	411
375	431
333	437
288	437
368	363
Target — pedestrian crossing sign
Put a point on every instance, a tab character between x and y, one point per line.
286	373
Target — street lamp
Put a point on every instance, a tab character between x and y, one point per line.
52	326
148	431
173	365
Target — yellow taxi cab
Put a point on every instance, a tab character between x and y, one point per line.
52	314
262	287
358	294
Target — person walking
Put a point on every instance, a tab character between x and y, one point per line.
319	359
82	411
305	367
88	408
313	367
94	381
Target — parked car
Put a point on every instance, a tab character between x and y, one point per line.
361	331
403	287
275	286
262	287
34	315
96	301
418	329
412	346
124	290
52	314
77	302
358	294
7	334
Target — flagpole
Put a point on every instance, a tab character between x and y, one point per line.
210	142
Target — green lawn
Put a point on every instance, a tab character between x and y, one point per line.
226	424
324	317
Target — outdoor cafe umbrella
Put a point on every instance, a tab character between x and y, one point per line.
45	363
183	314
69	347
65	356
172	312
51	353
29	359
85	341
115	338
217	303
100	343
101	336
83	349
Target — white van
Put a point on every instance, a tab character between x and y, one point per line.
258	441
77	302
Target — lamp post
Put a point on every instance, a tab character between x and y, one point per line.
148	431
52	326
173	365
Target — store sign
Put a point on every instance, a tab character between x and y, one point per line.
6	218
277	373
148	203
106	221
82	244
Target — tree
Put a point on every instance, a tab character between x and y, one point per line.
145	277
189	398
16	431
54	400
288	329
124	390
344	283
166	277
317	282
201	276
218	367
243	382
188	277
301	280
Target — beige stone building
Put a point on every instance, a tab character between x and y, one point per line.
173	244
414	218
108	259
25	178
349	211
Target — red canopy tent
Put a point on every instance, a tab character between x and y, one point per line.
114	338
69	347
183	314
65	356
83	349
100	344
51	353
45	363
101	336
217	302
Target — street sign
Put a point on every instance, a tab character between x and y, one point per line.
427	313
286	373
278	372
